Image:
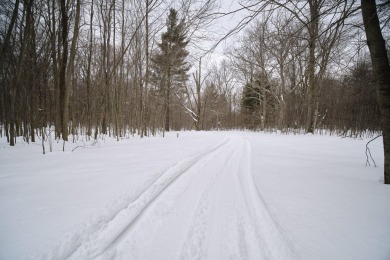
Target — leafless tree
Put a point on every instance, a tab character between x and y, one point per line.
380	62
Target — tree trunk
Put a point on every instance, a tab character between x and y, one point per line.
198	95
34	74
89	114
64	109
282	112
147	70
12	134
69	71
380	62
263	107
9	95
312	88
168	93
54	56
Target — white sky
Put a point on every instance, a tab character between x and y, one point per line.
219	29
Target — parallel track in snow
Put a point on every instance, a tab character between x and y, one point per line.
204	207
98	242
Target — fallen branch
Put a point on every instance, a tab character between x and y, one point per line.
82	146
368	152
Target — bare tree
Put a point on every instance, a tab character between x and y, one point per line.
87	66
380	62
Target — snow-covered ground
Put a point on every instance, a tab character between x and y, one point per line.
195	195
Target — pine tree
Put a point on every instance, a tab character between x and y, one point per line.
169	62
250	104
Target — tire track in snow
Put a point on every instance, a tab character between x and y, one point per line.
99	241
228	219
177	200
268	231
196	244
221	226
232	220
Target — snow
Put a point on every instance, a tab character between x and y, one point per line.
195	195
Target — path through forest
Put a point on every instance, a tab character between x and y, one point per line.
195	195
204	207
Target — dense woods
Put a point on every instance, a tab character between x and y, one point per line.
122	67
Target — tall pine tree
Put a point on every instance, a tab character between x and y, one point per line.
169	62
250	104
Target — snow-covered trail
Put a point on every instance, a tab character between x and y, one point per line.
203	195
204	207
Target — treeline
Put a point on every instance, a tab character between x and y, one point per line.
85	66
347	105
116	67
293	80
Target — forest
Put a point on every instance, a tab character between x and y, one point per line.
120	67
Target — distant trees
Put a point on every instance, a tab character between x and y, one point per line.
274	58
169	62
23	63
121	67
308	32
355	95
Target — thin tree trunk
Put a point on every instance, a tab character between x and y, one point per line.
167	110
121	75
143	121
141	87
264	108
62	77
198	102
167	100
69	71
312	88
9	116
89	113
54	56
115	76
34	76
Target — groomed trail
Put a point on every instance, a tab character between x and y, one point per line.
195	195
206	206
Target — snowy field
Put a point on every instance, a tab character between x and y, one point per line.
196	195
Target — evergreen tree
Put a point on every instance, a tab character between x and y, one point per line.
169	62
250	105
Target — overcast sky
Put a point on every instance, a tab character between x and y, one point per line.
219	29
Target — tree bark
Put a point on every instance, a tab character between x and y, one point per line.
8	35
380	63
198	95
263	115
312	88
147	69
89	116
33	74
167	103
9	91
69	70
55	57
64	109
